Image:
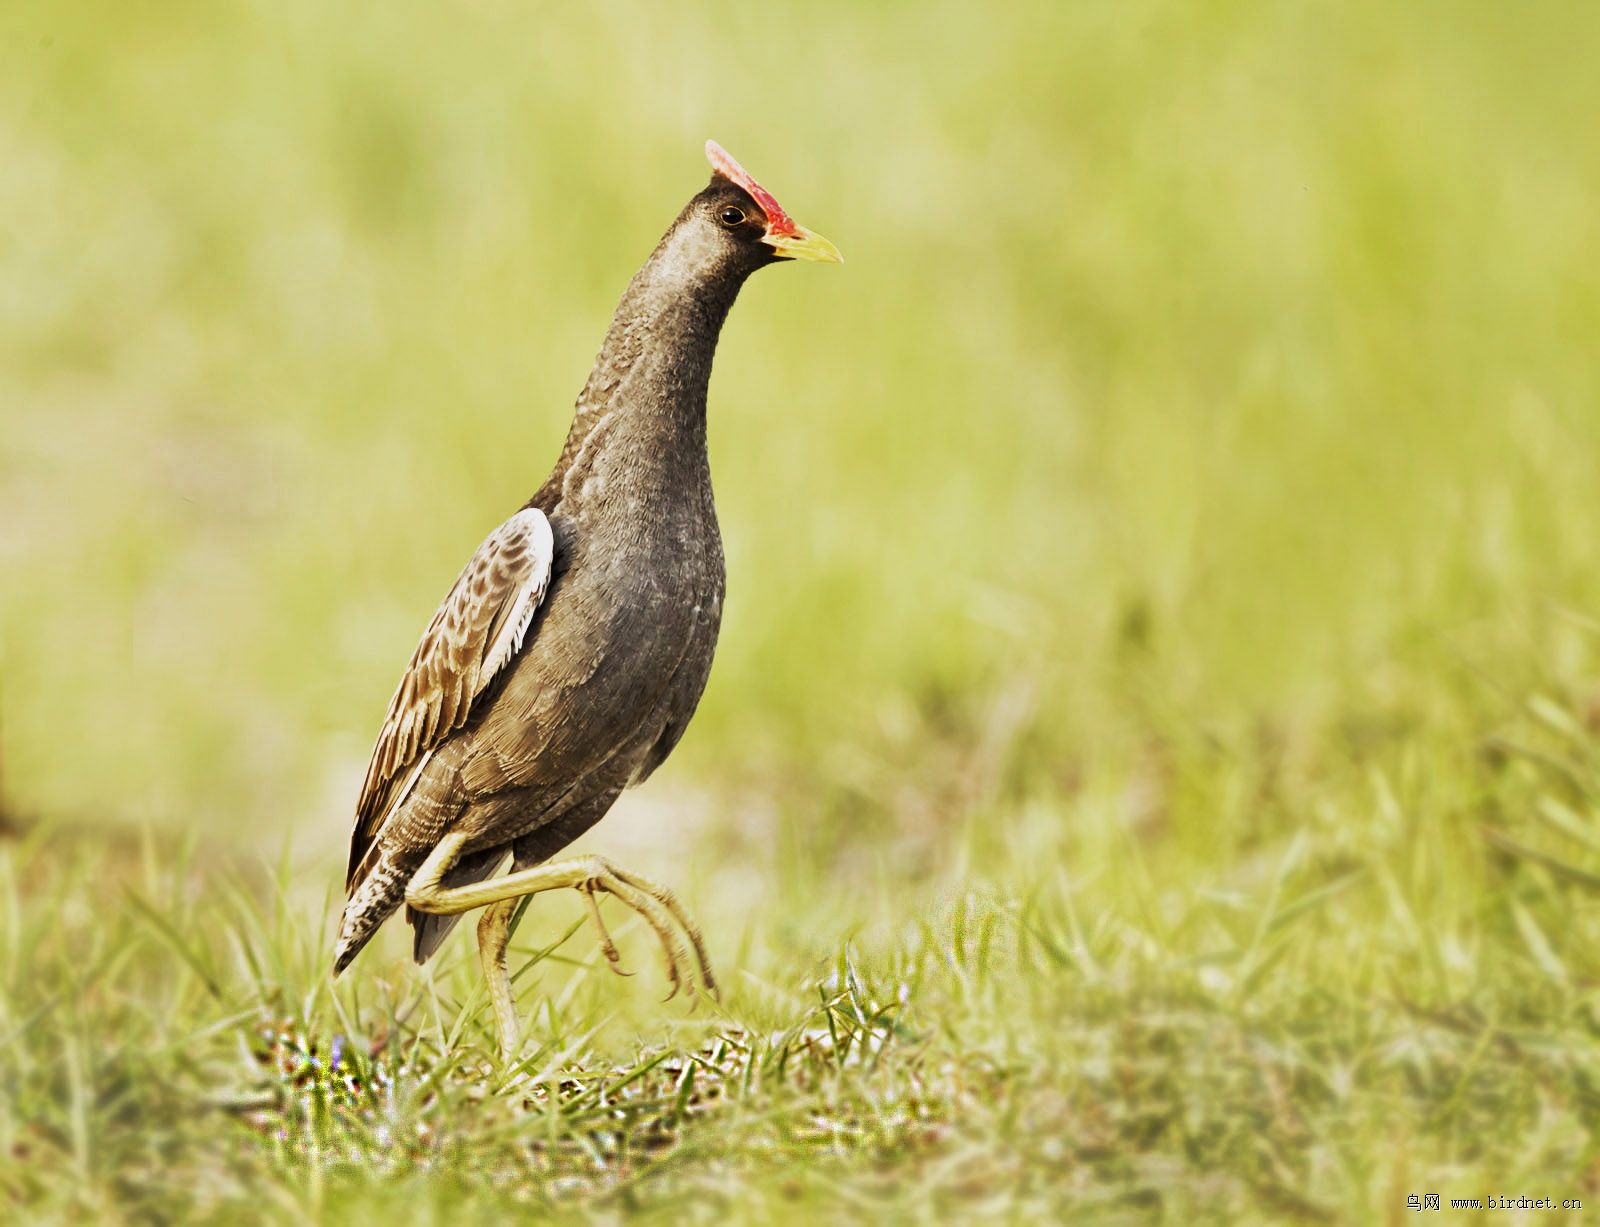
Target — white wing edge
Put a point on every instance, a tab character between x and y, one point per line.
531	522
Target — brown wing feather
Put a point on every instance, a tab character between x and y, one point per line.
477	628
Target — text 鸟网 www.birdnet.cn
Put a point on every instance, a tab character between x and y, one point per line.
1433	1201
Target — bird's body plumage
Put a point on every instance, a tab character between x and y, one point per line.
618	650
569	656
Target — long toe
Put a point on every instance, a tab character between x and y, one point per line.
602	934
668	900
645	898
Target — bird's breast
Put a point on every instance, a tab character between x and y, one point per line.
634	603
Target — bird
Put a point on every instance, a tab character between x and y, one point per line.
566	661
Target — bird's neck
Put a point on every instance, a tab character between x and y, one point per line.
653	370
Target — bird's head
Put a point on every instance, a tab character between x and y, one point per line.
750	217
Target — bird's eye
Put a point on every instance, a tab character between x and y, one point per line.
732	216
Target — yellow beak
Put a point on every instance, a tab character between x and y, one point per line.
804	245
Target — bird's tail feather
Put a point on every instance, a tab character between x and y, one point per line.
372	902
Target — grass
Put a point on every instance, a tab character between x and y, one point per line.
1150	770
1068	1023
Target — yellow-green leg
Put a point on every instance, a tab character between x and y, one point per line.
494	931
587	874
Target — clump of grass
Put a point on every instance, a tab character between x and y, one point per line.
575	1126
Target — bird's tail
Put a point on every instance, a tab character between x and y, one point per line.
382	889
376	896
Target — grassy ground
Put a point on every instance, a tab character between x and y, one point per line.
1380	982
1150	771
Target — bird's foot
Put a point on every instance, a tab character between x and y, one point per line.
660	909
586	874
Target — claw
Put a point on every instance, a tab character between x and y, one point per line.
608	878
607	946
659	908
664	896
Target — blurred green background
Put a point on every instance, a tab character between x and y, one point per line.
1197	371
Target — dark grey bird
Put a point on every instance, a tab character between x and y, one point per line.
566	661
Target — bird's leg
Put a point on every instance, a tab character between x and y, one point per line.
494	931
655	903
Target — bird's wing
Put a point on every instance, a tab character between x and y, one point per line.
478	627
